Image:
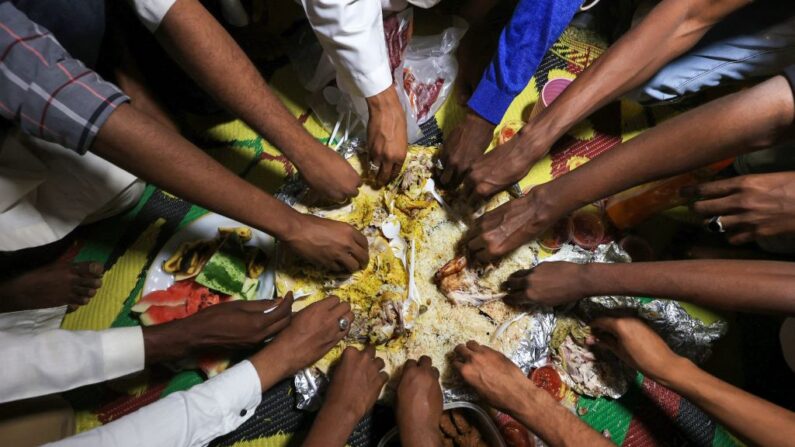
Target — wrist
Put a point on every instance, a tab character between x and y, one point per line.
423	435
167	342
271	366
676	373
383	100
590	278
534	140
288	226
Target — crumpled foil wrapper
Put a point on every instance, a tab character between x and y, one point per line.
309	385
685	334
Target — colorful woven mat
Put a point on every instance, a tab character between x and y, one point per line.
648	415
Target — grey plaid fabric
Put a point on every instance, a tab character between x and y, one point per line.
43	89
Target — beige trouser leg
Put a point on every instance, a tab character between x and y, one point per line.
36	421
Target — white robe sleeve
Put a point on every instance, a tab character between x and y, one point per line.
151	12
187	418
352	33
41	363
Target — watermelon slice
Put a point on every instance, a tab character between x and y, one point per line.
159	298
181	300
225	272
162	314
212	364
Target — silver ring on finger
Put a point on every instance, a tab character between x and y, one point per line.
715	225
343	323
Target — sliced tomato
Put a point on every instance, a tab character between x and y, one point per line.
587	229
506	134
514	433
508	131
548	379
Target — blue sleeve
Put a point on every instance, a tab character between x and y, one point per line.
533	28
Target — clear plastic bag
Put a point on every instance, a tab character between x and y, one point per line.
427	75
424	69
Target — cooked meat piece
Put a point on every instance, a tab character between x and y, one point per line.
447	426
448	442
461	422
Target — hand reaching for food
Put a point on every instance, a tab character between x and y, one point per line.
465	145
239	324
356	382
510	226
500	168
226	326
547	284
750	206
635	343
419	403
328	174
355	385
492	375
333	245
386	135
312	332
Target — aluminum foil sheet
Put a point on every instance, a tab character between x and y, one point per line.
685	334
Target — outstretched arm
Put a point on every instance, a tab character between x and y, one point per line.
668	31
142	146
504	386
746	286
742	122
755	420
197	416
355	386
206	52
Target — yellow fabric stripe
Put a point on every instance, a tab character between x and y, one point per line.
277	440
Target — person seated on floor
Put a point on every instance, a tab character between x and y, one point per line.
53	361
521	46
58	103
505	387
680	48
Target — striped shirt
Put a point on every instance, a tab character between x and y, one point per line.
44	90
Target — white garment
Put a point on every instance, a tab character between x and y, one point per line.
40	361
352	33
47	190
151	12
187	418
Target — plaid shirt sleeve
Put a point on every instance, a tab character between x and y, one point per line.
48	93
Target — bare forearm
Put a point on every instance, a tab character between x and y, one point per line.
753	286
739	123
755	420
332	427
668	31
158	155
537	411
209	54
